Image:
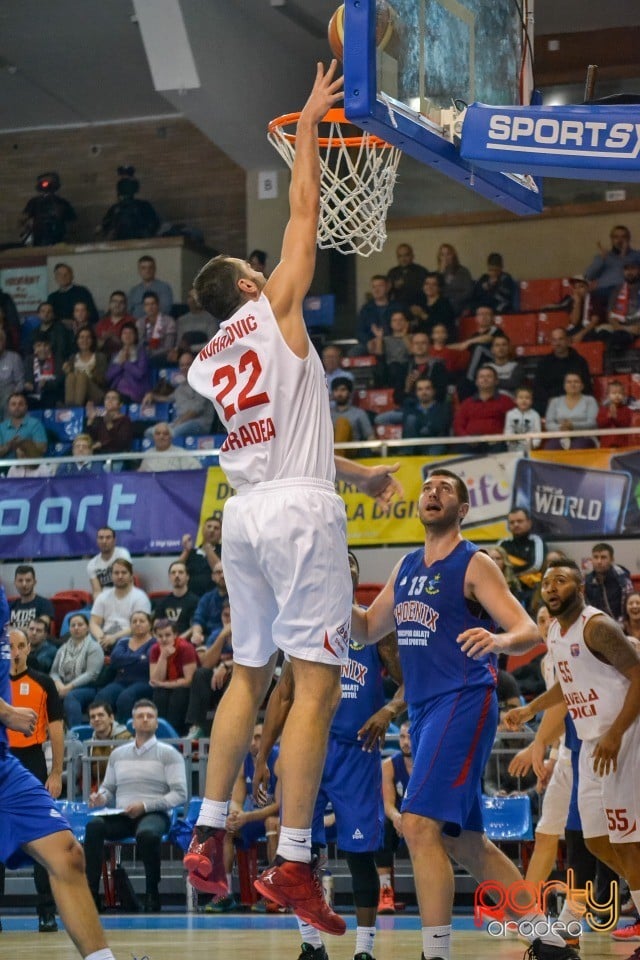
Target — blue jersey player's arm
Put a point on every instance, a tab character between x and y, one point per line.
374	623
21	719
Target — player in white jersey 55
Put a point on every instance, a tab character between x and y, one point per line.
598	673
285	552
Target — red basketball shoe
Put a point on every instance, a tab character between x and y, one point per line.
295	885
204	862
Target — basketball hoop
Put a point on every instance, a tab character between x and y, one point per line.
358	173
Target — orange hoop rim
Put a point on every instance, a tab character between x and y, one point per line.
335	115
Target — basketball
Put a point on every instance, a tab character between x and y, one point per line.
384	28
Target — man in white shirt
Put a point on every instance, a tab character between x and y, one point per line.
99	567
113	608
171	457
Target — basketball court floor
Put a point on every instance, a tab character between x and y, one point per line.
200	937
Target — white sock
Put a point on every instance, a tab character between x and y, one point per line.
570	911
553	939
294	844
229	882
100	955
364	939
385	879
436	942
309	934
213	813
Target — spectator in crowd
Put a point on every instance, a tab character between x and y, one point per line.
207	619
19	427
31	689
428	417
166	455
396	770
82	449
11	373
145	779
496	288
10	320
42	649
376	311
193	413
605	272
130	217
105	727
45	217
149	283
59	335
28	604
483	413
99	568
572	411
43	376
500	556
393	351
156	330
479	349
458	282
194	329
523	419
584	315
424	364
179	606
623	318
113	431
631	620
114	606
615	413
455	361
76	669
552	368
109	329
525	550
406	278
332	363
211	676
609	584
201	561
80	319
23	452
129	667
128	372
172	664
436	308
350	424
510	372
85	372
68	294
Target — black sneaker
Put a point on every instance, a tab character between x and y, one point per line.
47	923
363	956
152	903
548	951
309	952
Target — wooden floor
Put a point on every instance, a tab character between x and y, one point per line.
210	938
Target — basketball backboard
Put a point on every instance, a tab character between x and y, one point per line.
442	55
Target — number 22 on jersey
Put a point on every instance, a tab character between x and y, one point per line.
237	385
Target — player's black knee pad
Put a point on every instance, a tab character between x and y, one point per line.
364	876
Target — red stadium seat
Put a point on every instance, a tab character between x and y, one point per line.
543	292
467	327
66	601
367	592
376	400
389	431
593	353
548	322
521	328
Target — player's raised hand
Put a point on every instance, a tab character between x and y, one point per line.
381	484
326	92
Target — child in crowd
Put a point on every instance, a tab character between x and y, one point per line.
615	412
523	419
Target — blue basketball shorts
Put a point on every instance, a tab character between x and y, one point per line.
27	812
352	783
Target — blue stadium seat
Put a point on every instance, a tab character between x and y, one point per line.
507	818
81	731
165	730
151	412
77	813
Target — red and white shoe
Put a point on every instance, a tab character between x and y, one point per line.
387	900
296	885
204	862
627	934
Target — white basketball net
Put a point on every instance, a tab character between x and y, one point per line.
356	188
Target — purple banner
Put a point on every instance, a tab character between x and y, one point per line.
46	517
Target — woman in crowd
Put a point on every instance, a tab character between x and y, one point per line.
458	282
85	372
113	432
129	667
172	664
76	668
128	372
113	608
82	448
574	410
631	620
499	555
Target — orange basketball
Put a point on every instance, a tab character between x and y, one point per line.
384	28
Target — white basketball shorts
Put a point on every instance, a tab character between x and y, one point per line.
611	804
557	796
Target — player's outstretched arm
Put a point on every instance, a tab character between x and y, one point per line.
377	482
369	626
513	719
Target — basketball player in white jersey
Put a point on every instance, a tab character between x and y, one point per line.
285	551
598	673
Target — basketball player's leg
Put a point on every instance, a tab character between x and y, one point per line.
555	809
432	869
62	856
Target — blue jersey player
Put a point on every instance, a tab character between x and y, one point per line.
446	601
351	778
31	825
